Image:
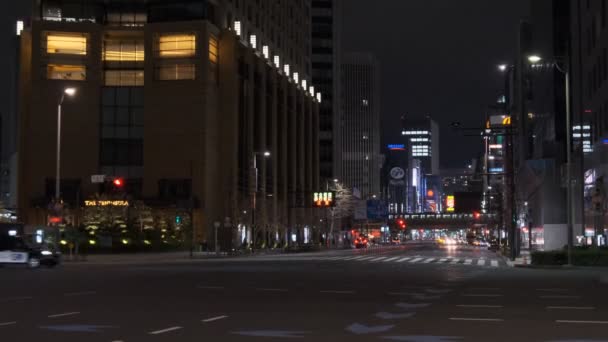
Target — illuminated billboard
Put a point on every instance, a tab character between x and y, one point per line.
323	199
449	203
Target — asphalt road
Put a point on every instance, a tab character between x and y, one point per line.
390	294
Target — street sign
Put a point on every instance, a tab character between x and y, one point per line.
97	179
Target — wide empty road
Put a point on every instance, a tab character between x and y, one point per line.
409	293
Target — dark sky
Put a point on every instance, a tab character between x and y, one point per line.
438	58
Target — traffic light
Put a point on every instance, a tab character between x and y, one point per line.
401	223
178	219
118	182
476	215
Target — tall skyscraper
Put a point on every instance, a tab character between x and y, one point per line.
326	32
206	109
361	123
422	136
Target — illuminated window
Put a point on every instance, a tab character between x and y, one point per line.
123	51
66	72
122	78
177	45
173	72
213	49
67	44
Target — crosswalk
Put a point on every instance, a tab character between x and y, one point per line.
480	262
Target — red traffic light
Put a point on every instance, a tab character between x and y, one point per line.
476	215
118	182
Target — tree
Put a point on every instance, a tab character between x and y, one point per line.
345	204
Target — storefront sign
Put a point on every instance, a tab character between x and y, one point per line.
450	203
95	203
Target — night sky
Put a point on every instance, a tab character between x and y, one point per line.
438	58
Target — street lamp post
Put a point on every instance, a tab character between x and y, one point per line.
534	59
266	154
69	92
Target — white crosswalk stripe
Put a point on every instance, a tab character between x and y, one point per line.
378	259
481	262
404	259
358	257
416	260
468	261
429	260
455	261
366	258
494	263
391	259
443	260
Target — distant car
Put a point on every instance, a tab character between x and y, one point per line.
396	241
361	242
14	251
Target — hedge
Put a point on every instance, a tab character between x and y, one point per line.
580	257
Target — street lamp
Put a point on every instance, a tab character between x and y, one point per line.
70	91
503	67
265	154
570	216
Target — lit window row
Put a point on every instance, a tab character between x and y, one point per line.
578	128
416	132
419	139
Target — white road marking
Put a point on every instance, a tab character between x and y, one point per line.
429	260
12	299
404	259
485	289
468	261
378	259
494	263
338	291
358	257
366	258
553	290
581	322
157	332
570	308
481	262
443	260
64	314
272	290
476	319
3	324
210	287
391	259
211	319
479	306
455	261
415	260
82	293
481	295
560	297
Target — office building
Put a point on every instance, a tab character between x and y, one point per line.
361	124
326	56
181	101
422	136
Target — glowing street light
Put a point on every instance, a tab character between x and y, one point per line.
534	59
502	67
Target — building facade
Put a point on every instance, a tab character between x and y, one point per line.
205	109
360	124
326	56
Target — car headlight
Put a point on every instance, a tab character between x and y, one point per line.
46	253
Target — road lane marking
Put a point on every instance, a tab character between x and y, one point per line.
157	332
481	295
415	260
358	257
443	260
485	289
560	297
391	259
581	322
212	319
552	290
366	258
81	293
64	314
570	308
468	261
476	319
338	291
455	261
3	324
429	260
494	263
481	262
272	290
14	299
210	287
404	259
378	259
479	306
